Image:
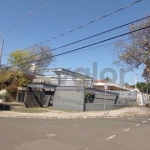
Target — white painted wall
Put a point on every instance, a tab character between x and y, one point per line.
142	98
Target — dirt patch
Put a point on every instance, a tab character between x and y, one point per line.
29	110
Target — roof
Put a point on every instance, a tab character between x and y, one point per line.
101	81
111	84
61	71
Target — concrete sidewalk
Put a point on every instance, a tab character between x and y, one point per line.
124	112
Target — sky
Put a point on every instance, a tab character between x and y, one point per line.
59	16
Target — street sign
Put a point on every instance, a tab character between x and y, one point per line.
105	87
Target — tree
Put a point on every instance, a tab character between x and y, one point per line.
41	56
11	80
143	87
107	79
18	60
136	52
126	84
146	73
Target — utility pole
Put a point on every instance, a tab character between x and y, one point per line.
135	80
1	51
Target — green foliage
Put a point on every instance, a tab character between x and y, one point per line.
19	59
143	87
22	60
17	56
107	79
2	96
11	80
87	95
135	52
126	84
146	72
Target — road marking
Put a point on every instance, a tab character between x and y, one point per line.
75	125
111	137
144	121
126	130
88	147
51	135
137	124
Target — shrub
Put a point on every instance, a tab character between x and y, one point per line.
148	104
2	96
89	96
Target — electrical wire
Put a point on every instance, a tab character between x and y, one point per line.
89	50
16	24
84	25
77	49
66	45
95	49
94	43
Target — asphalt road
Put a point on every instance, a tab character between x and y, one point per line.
75	134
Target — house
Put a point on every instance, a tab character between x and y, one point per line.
65	90
99	84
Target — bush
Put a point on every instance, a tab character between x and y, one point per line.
89	96
2	96
148	104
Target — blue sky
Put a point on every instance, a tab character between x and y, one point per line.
59	16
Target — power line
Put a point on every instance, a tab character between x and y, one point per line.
101	37
93	44
89	37
95	49
84	25
77	49
90	50
100	33
16	24
85	51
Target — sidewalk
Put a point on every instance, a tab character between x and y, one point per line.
52	114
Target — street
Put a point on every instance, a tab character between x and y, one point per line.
75	134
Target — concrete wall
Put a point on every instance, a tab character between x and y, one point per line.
100	107
127	98
142	99
32	97
127	94
72	99
98	103
69	98
101	101
124	101
31	100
